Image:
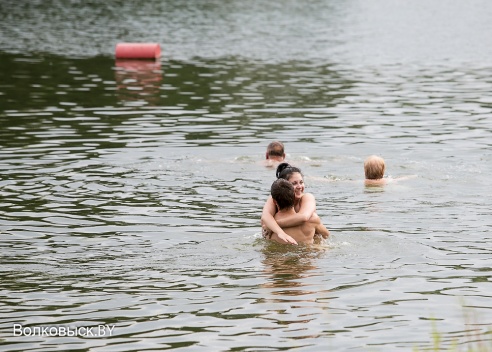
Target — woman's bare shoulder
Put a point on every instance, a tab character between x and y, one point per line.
308	198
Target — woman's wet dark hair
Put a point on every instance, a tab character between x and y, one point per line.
285	170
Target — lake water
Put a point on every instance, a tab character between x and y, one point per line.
131	192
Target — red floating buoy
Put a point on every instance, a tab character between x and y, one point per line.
137	51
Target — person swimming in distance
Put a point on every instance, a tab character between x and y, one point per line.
304	207
274	154
283	196
374	168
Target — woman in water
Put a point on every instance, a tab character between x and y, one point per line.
305	207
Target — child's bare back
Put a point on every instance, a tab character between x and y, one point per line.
303	233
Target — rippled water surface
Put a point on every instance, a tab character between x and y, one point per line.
131	191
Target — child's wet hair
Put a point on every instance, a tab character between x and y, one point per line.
282	192
374	167
285	170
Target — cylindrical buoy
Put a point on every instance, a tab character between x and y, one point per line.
137	51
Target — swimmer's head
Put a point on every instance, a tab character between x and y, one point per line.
275	151
283	193
374	167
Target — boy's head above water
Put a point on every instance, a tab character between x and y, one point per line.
374	167
283	194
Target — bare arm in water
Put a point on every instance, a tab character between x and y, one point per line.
268	221
307	210
321	229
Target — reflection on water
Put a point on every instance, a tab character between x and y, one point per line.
131	192
138	80
287	267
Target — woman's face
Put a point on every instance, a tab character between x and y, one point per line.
298	183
